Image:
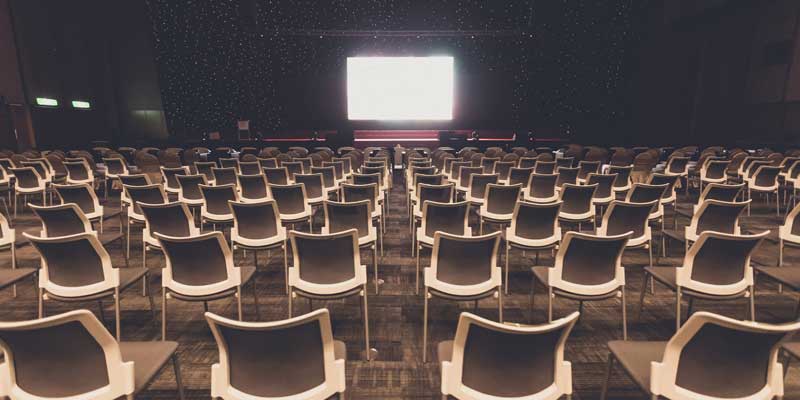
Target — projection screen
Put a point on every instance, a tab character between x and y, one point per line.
400	88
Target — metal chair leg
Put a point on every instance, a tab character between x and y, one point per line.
164	314
425	328
609	368
365	313
178	381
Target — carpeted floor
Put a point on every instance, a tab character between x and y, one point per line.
396	314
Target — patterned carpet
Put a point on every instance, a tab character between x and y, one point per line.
396	314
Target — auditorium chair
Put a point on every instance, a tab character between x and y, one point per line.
604	193
115	166
622	217
149	194
305	162
257	227
292	168
716	267
565	162
463	268
172	219
328	179
577	206
224	176
250	168
277	175
465	178
341	217
450	218
678	166
441	193
587	268
338	168
28	182
499	204
487	359
669	197
170	180
585	168
719	191
503	169
519	176
190	190
544	167
765	180
703	360
477	187
488	164
292	202
347	165
711	215
455	170
215	209
267	163
566	176
528	162
204	168
371	192
313	370
201	269
328	267
714	172
646	193
230	163
541	188
77	268
85	198
8	241
93	366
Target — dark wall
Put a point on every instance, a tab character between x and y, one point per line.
90	50
725	72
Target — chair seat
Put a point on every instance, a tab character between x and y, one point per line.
789	276
635	359
247	274
148	358
9	276
127	277
542	275
669	275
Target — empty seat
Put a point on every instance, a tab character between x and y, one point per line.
533	227
340	217
257	226
292	203
452	218
252	188
215	208
501	200
541	188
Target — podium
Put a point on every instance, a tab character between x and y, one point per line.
244	130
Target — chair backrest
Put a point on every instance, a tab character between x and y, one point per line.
588	167
752	167
589	264
250	168
40	366
645	193
27	178
577	199
501	199
455	169
338	168
256	221
450	218
465	177
291	199
719	263
714	169
478	184
229	163
268	162
277	175
704	359
528	162
198	265
664	179
542	186
544	167
605	183
503	169
43	169
567	175
436	193
190	186
169	177
305	162
62	220
217	198
313	183
293	168
717	216
330	259
150	194
488	164
496	360
722	192
341	217
623	180
204	168
432	179
465	260
347	165
298	352
365	179
519	176
224	176
74	265
81	194
351	193
135	179
170	219
766	176
536	221
565	162
115	166
677	165
622	217
328	175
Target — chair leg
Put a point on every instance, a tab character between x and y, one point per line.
178	381
425	328
164	314
500	304
239	301
14	266
291	296
375	265
549	304
416	288
365	313
506	265
286	265
752	302
677	309
150	297
128	240
41	303
117	314
642	294
609	369
624	315
650	252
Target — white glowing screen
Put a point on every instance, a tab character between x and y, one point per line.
400	88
